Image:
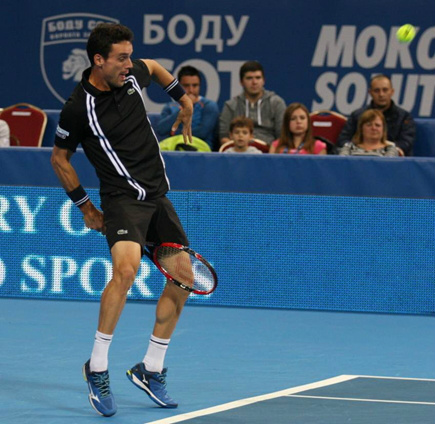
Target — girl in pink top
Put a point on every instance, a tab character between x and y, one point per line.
296	136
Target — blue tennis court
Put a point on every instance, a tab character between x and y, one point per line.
226	365
347	398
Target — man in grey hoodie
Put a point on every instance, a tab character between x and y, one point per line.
264	107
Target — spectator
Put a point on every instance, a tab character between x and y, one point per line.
400	125
4	134
264	107
371	137
205	111
242	132
296	134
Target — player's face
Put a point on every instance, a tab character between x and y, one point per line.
241	136
117	65
373	130
298	122
191	85
381	92
253	83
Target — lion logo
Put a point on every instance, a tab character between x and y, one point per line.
76	63
63	55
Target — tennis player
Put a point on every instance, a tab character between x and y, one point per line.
106	114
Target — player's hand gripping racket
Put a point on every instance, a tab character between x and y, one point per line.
184	267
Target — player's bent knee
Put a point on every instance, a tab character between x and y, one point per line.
124	275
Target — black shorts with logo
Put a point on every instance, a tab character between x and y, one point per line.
152	221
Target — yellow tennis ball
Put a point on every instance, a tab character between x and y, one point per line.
406	33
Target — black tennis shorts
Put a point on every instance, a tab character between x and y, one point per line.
152	221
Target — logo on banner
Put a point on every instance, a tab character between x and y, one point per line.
63	54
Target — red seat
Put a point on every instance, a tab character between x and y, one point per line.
259	144
327	124
26	123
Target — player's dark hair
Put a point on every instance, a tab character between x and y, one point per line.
251	66
242	122
188	71
103	36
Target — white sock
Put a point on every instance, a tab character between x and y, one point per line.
155	356
100	352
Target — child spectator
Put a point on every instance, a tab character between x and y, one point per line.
242	132
296	135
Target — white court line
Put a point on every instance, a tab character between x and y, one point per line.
248	401
395	378
363	400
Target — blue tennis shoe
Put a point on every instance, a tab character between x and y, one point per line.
153	384
100	395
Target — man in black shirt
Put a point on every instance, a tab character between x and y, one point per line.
106	114
400	125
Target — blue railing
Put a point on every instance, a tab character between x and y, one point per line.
327	233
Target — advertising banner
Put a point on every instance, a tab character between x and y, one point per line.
319	53
324	252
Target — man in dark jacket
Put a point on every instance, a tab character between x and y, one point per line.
400	125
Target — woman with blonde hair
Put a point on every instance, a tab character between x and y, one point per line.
296	135
370	138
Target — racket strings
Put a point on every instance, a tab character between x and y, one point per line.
186	268
176	263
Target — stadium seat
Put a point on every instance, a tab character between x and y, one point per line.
327	124
259	144
27	124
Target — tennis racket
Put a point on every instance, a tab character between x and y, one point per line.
183	266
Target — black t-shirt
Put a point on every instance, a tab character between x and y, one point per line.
116	135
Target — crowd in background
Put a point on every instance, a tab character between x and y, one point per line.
257	121
4	134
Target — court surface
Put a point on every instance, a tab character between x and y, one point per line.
226	365
347	398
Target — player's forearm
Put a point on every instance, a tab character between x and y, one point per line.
66	174
70	182
158	72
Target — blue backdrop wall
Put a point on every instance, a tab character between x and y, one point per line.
328	233
320	53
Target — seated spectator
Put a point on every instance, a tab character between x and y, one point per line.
296	134
264	107
242	132
205	111
4	134
400	125
371	137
